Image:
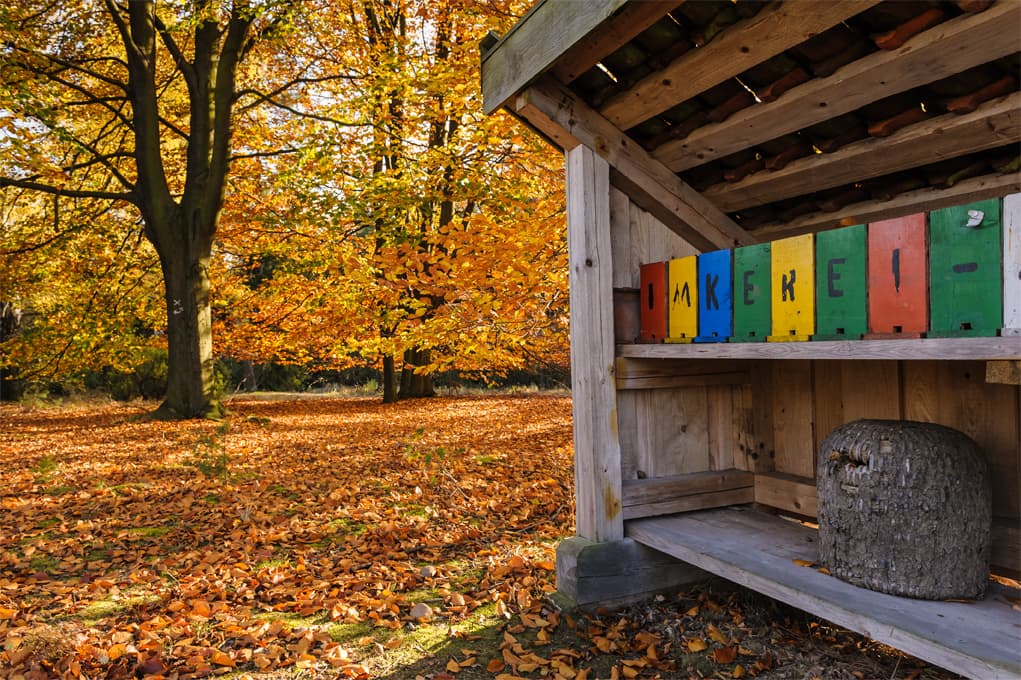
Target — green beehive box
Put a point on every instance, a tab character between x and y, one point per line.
840	275
965	270
751	294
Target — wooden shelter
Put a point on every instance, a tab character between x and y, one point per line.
703	125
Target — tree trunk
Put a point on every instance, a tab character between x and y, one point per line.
189	335
413	384
390	394
248	380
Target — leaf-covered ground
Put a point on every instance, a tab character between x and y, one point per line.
337	537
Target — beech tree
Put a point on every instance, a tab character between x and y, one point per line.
134	102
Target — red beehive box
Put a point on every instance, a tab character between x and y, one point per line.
898	278
652	294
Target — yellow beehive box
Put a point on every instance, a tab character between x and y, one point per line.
682	299
792	279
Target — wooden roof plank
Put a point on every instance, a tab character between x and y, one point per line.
776	28
535	43
630	21
650	184
921	200
946	49
994	124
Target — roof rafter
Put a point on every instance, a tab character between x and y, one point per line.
994	124
548	104
946	49
776	28
629	22
921	200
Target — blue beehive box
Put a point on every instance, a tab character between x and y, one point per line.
715	310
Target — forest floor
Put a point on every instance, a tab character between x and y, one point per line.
340	538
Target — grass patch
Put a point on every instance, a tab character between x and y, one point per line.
112	606
212	498
46	563
48	522
149	532
282	490
97	555
59	490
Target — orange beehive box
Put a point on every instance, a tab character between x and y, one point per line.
898	278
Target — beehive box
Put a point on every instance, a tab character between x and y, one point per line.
652	294
751	296
682	299
715	297
965	270
840	284
792	280
897	278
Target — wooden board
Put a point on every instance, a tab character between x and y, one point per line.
597	461
927	348
1012	265
671	434
794	494
957	395
535	43
644	374
793	418
979	640
681	493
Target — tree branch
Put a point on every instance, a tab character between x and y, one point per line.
186	68
69	193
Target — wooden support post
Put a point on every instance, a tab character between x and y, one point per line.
596	443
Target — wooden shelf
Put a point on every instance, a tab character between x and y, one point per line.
927	348
756	550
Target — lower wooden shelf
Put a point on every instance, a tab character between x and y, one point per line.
980	640
979	348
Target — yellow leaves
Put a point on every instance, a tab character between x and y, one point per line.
696	645
7	613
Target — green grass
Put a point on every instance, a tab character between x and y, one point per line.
111	606
45	563
48	522
149	532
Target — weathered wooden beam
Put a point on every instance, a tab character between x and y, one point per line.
644	374
908	203
994	124
535	43
957	349
627	23
941	51
701	501
751	41
787	492
597	467
659	489
650	184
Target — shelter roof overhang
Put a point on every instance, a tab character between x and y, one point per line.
737	121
